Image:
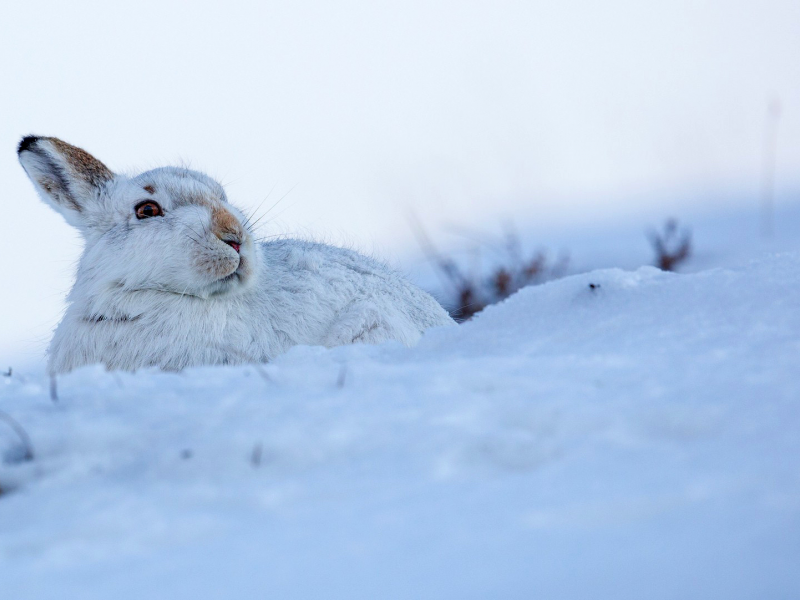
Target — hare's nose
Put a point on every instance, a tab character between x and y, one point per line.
233	244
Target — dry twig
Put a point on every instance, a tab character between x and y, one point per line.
672	245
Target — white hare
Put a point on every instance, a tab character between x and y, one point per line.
171	276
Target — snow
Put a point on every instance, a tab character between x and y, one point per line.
638	438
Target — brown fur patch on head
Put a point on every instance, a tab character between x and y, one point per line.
149	189
223	222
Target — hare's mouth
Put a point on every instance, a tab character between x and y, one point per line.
234	281
240	273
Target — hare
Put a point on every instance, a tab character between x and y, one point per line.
171	276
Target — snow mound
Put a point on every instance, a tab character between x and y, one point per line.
612	434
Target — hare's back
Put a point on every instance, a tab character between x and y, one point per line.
341	279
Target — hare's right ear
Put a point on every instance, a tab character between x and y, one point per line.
67	178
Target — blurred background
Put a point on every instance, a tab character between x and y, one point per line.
579	124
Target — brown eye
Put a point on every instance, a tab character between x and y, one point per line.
148	208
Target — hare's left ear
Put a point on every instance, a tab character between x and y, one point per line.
66	177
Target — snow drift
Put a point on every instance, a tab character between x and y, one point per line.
612	435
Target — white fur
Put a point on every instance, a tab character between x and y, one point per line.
169	292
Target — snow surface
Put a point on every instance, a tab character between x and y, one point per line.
635	439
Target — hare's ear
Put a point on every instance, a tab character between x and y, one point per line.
66	177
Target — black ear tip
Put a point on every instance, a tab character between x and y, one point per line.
26	143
